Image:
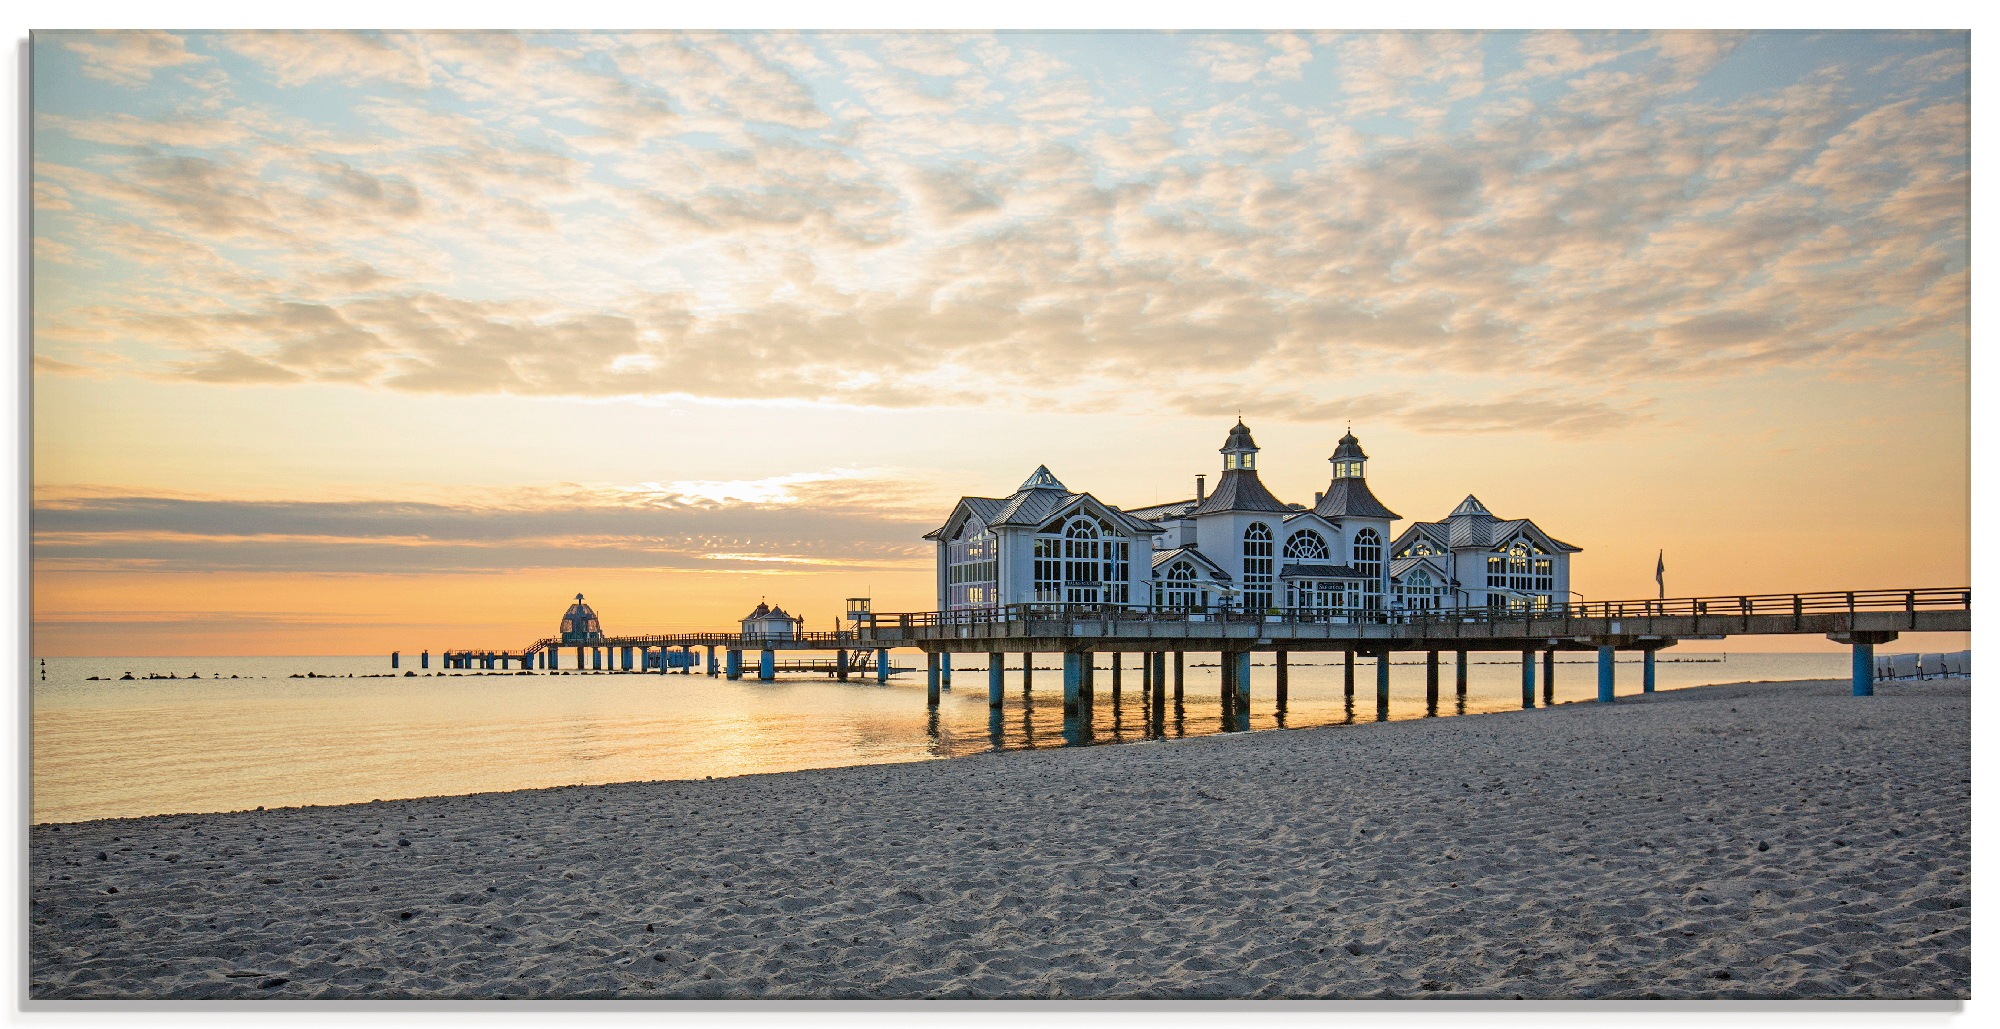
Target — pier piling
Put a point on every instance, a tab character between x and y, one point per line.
1241	682
881	666
933	676
1347	663
1647	678
1180	677
840	665
996	679
767	665
1072	681
426	659
1282	674
1527	679
1864	669
1549	677
1607	672
1382	685
1430	682
1117	677
1462	669
735	659
1027	673
395	659
944	669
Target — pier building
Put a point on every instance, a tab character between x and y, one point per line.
771	623
1241	548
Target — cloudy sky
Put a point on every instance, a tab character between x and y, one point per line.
348	342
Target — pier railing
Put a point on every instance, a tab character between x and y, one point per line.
1877	610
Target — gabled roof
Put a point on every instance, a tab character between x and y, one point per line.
1240	490
1161	558
1402	565
1351	498
1349	449
1318	570
1473	526
1032	507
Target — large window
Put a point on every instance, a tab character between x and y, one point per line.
1257	567
972	567
1082	560
1182	590
1420	592
1048	570
1522	568
1368	561
1306	545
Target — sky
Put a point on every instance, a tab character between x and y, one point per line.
358	342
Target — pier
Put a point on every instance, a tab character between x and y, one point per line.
1861	619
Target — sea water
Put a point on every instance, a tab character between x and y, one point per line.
255	731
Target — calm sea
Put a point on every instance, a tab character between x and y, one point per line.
248	733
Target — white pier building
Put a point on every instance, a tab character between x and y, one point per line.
1240	548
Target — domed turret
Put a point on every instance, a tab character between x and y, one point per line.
579	623
1348	458
1239	450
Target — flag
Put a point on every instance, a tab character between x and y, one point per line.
1660	574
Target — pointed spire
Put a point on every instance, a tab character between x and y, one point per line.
1043	479
1470	506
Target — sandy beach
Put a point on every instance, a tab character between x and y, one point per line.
1744	841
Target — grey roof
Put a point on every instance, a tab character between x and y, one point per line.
1240	490
1239	438
1480	531
1032	507
1400	565
1215	572
1321	571
1162	512
1351	498
1349	449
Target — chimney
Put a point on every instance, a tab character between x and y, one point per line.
1200	488
1317	497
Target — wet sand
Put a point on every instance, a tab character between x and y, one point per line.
1743	841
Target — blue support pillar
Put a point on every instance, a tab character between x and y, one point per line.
712	671
395	659
933	680
840	665
1241	680
944	669
427	659
1649	670
767	665
882	665
996	679
624	659
1864	669
1527	678
734	658
1607	674
1072	680
1382	686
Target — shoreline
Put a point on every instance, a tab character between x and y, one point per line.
1573	851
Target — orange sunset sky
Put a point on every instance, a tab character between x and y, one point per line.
354	342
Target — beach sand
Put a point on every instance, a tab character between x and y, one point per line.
1759	840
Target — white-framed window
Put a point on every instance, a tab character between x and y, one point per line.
1257	552
1306	545
1420	592
1368	561
1522	566
1182	590
972	567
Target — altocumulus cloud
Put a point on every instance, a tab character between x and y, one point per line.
900	220
821	524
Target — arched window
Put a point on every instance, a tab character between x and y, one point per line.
1257	567
1368	561
1306	545
1081	556
1183	590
